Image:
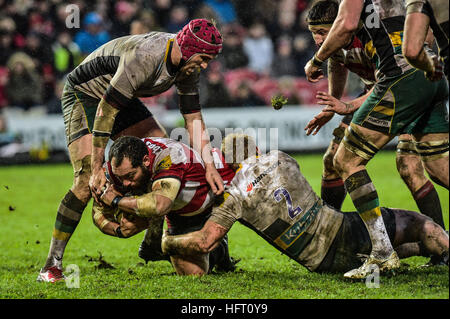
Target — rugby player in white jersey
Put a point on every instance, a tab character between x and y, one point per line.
270	195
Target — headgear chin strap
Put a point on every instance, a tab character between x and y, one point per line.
199	36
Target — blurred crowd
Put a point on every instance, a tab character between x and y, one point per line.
266	45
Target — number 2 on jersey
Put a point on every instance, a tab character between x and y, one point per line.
291	211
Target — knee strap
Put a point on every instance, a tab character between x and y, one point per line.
407	147
355	143
432	150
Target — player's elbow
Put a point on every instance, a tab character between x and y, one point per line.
411	51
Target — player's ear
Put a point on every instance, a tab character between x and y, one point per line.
146	161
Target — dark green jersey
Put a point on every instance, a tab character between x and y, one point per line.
437	11
381	34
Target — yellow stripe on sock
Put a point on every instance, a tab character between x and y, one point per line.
61	235
371	214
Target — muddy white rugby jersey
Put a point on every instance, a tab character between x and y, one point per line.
271	196
130	67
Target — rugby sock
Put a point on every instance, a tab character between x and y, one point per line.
427	200
67	219
365	198
333	192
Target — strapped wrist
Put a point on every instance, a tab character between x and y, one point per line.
115	201
119	233
316	61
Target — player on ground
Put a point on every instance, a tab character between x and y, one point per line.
160	177
101	101
352	58
389	110
421	14
270	195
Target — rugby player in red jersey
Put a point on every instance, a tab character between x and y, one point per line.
154	177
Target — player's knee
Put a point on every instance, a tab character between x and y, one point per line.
82	174
328	162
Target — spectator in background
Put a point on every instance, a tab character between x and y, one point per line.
10	39
245	97
216	91
162	10
224	9
67	54
24	88
259	48
6	46
233	55
284	62
93	35
54	104
3	82
303	51
179	17
138	27
125	13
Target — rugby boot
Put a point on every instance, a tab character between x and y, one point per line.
151	252
52	274
220	258
384	265
150	248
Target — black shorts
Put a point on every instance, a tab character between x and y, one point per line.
178	224
352	239
79	113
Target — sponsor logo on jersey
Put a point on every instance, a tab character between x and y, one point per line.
165	163
261	176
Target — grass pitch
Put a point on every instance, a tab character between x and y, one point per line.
110	268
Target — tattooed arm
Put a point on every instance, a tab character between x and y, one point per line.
199	242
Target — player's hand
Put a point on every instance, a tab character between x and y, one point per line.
313	73
164	242
333	104
438	71
97	182
109	194
214	179
131	226
318	122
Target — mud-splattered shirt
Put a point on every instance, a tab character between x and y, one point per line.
270	195
130	67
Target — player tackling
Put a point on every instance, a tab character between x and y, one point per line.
270	195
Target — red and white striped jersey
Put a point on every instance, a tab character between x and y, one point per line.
170	158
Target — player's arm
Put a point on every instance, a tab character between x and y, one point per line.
158	202
199	140
334	105
133	70
105	225
416	34
199	242
337	78
340	35
103	124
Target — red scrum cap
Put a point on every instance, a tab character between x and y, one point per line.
199	36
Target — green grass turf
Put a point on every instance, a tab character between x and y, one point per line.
30	195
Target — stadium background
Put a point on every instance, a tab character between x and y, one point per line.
266	46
